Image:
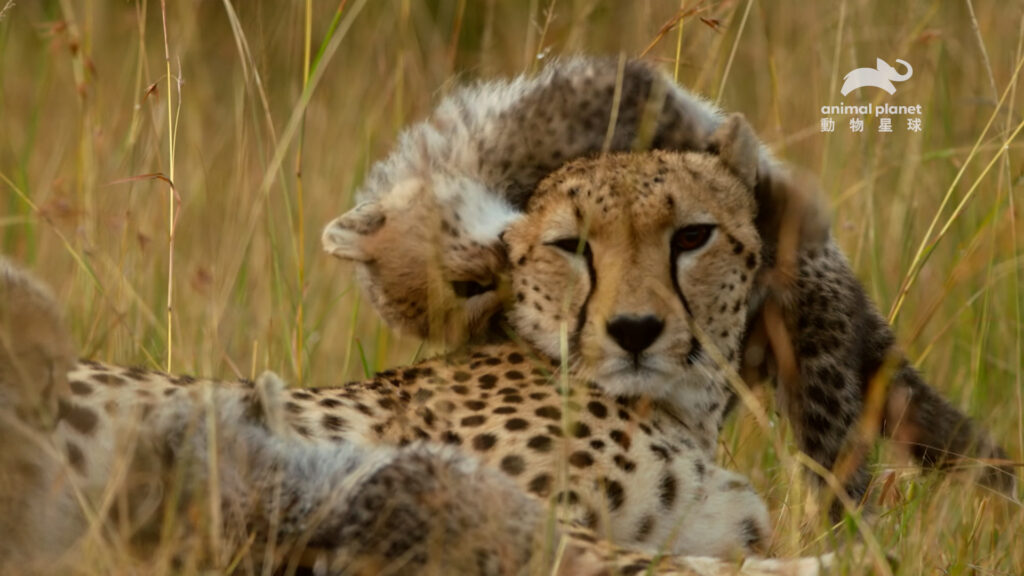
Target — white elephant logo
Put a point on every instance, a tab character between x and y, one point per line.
882	76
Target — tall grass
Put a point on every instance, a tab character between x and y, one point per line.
265	137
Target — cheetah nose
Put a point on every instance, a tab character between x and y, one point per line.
635	333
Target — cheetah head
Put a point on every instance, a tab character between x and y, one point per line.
636	265
430	264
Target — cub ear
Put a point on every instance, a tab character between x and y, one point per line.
346	236
736	145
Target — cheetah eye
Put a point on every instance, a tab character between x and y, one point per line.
572	245
692	237
468	289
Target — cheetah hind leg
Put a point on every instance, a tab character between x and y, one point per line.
343	508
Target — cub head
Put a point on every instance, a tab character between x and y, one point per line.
634	264
428	255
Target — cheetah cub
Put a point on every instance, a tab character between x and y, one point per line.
426	238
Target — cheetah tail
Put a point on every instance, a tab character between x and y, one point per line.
938	435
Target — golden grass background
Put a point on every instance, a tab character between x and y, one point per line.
85	123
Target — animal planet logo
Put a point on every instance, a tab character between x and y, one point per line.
881	76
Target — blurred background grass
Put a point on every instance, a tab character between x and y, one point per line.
84	126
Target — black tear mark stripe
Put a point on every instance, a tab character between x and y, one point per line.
581	318
674	264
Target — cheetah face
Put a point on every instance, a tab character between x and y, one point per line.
428	255
634	265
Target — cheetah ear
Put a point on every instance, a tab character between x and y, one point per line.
346	236
736	145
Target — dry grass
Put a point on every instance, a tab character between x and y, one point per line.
255	92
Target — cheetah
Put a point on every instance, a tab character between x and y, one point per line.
363	508
426	238
291	464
